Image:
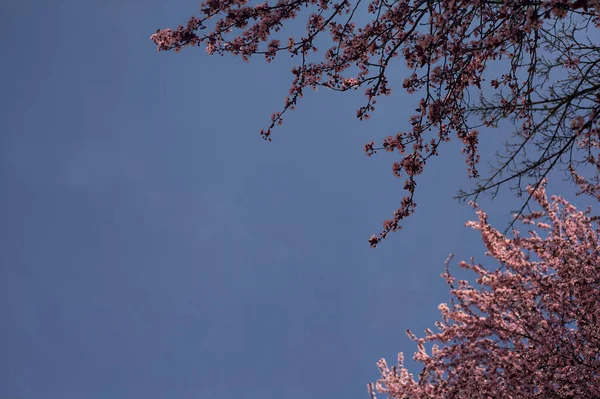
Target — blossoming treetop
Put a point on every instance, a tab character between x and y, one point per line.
528	329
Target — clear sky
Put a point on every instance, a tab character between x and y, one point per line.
152	245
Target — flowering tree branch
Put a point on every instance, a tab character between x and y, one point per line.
446	46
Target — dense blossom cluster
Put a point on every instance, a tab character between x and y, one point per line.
529	329
446	46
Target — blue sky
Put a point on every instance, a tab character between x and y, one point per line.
154	246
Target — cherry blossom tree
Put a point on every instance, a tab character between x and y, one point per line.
549	86
529	328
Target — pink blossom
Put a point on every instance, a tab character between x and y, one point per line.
447	46
528	329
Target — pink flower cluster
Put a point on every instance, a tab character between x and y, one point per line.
529	329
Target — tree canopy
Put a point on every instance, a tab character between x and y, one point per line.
549	87
528	329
